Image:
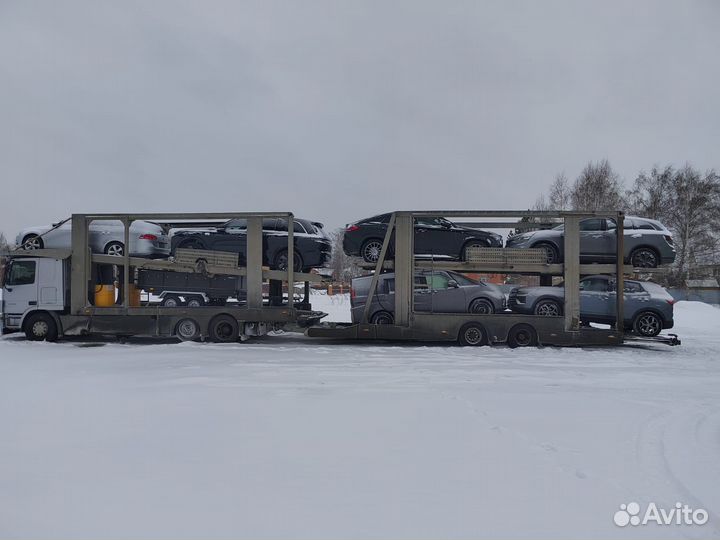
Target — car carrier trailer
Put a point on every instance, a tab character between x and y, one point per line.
480	329
58	301
55	298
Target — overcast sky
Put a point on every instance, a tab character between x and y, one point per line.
340	110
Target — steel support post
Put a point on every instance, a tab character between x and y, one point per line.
620	277
254	262
404	262
572	273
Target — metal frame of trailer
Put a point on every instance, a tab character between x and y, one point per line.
423	326
154	320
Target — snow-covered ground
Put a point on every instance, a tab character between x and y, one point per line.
284	438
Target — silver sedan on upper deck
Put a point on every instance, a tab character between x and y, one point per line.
105	236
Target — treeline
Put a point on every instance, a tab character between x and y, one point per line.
685	200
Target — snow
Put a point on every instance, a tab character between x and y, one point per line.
283	437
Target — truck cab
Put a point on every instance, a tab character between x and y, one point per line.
34	289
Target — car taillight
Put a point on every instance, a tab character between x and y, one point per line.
352	228
669	239
671	302
352	293
148	237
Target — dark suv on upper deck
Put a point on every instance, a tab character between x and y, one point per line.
434	237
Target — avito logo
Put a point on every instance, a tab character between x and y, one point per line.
680	514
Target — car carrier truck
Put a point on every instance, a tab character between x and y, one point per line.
49	293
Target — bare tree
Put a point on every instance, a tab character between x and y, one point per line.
3	261
560	193
688	203
344	267
597	188
650	193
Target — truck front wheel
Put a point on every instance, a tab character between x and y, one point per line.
41	327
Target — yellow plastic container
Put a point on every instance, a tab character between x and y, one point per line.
104	295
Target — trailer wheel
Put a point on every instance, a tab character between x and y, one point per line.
223	329
472	334
171	300
195	301
187	330
382	317
522	335
41	327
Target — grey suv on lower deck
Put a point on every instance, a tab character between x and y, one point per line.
434	291
648	307
647	243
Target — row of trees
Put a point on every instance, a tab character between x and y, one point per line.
686	200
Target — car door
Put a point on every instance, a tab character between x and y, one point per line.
422	294
232	238
446	298
20	290
635	298
595	301
595	239
432	237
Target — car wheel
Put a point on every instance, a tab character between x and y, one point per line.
281	261
522	335
382	317
32	242
115	248
548	308
187	330
551	253
41	327
223	329
171	300
195	301
647	324
472	335
481	306
371	250
471	245
644	258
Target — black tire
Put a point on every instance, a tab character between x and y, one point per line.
471	244
481	306
382	317
171	300
223	329
194	301
644	257
187	330
41	327
281	260
32	242
522	335
472	334
370	250
115	248
552	256
647	324
548	308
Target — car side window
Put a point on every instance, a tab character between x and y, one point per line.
632	287
594	224
390	286
439	281
422	282
22	273
594	284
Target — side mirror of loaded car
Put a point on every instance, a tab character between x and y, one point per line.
452	284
